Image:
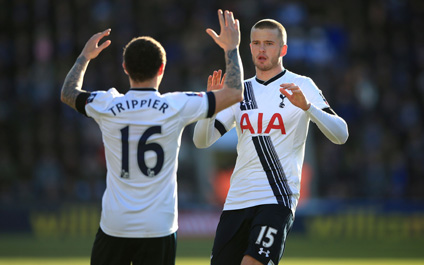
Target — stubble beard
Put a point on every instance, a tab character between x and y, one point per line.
266	67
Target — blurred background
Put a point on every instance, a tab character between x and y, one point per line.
367	57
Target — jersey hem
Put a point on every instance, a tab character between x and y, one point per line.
248	205
138	235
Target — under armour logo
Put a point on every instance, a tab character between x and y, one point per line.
261	250
282	101
247	103
125	174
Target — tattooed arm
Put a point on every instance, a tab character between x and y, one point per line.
229	41
73	82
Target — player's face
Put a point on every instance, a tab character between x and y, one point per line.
266	49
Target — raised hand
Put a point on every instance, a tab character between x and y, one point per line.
215	82
296	96
73	82
91	49
229	37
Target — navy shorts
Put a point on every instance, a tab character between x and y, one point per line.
259	232
136	251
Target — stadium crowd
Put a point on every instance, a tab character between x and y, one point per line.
367	56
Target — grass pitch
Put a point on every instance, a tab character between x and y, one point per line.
205	261
26	250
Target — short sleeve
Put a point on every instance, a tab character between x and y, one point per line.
81	101
99	102
193	106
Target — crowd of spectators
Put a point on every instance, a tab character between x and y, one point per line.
367	57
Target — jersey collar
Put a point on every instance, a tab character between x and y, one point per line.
142	89
269	81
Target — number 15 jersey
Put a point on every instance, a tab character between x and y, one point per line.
271	142
141	133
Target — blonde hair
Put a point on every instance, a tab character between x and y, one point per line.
272	24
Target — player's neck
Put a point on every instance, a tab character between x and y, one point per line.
148	83
268	74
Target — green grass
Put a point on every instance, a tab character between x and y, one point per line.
205	261
26	250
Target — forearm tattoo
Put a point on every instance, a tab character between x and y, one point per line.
233	64
73	82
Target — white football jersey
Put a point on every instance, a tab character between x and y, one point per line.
271	142
141	132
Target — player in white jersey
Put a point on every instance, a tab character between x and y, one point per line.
141	132
272	124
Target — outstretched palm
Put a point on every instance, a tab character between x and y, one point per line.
215	82
229	37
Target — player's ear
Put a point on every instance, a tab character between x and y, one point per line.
283	51
250	46
161	69
125	69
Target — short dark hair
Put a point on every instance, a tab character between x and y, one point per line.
272	24
143	57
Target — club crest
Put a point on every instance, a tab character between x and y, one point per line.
282	105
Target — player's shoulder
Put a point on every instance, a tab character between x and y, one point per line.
253	78
100	101
111	91
296	77
182	95
179	98
104	95
303	81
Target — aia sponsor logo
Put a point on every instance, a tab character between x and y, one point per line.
275	123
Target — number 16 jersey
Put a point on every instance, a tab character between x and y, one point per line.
141	133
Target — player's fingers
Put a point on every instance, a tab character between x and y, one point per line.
285	92
212	33
286	84
221	18
231	18
98	36
237	24
223	79
104	45
218	76
209	81
289	86
105	32
214	77
226	18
